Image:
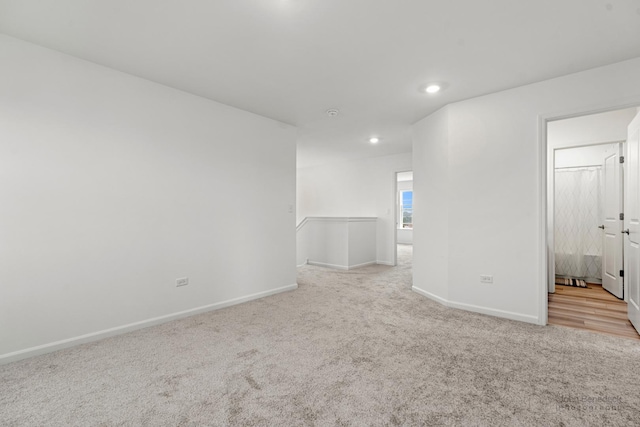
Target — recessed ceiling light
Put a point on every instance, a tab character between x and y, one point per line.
332	112
374	140
432	88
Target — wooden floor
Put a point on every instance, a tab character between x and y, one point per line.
590	308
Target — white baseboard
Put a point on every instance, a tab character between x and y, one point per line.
364	264
478	309
340	267
95	336
385	263
431	296
324	264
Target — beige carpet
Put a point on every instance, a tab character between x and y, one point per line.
346	348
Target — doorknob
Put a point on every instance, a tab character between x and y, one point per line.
601	226
625	231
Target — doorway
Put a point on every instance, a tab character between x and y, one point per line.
588	246
403	217
585	177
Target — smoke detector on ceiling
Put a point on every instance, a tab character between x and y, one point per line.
332	112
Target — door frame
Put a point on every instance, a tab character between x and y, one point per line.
395	212
551	203
544	160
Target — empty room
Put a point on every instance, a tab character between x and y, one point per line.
319	212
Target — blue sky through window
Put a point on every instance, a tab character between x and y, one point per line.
407	198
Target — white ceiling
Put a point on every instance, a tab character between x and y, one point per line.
291	60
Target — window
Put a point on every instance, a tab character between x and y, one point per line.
406	209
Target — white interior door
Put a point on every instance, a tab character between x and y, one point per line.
612	244
632	222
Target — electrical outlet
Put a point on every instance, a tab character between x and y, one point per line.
486	278
183	281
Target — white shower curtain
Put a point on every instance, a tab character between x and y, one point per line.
578	213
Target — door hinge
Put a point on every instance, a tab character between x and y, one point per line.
621	159
621	216
621	273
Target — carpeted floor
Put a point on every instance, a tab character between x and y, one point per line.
346	348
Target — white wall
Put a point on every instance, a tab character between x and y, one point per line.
405	236
304	235
431	205
478	166
337	242
405	185
591	155
112	187
610	126
362	188
362	242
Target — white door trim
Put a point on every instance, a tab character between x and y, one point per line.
396	214
395	217
543	153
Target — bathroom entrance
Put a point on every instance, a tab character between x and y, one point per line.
588	217
586	222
